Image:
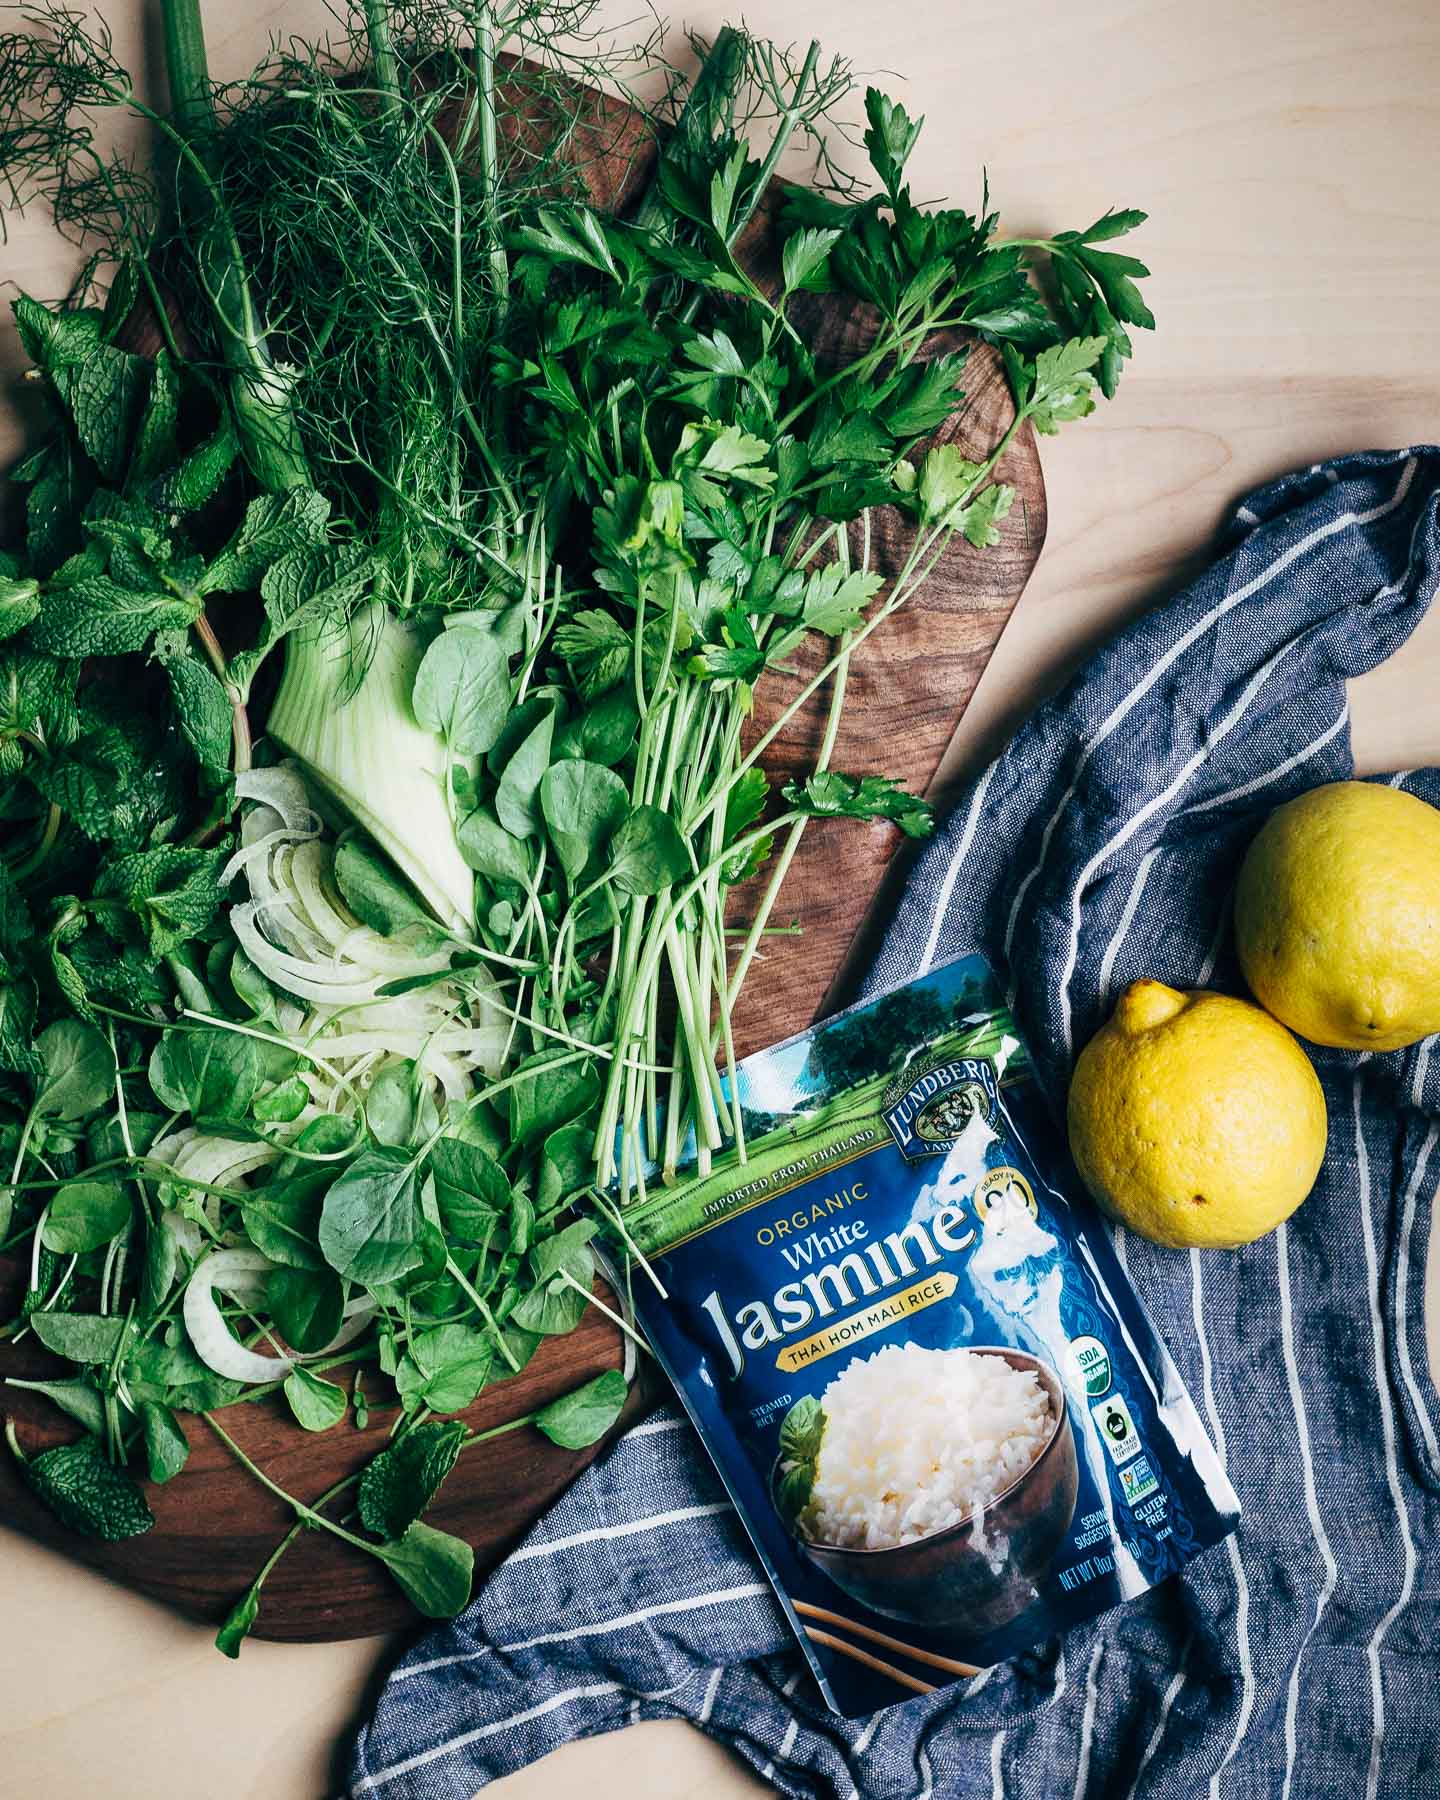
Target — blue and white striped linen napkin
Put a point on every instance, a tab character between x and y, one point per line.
1298	1659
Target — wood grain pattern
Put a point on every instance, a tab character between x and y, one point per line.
1287	158
216	1525
908	686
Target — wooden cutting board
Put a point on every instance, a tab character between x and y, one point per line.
909	685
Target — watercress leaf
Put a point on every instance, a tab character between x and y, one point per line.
522	1223
583	804
566	1164
158	1266
307	1305
521	722
400	1483
371	1217
517	797
84	1215
205	1071
434	1569
167	1449
79	1070
549	1096
585	1415
398	1106
489	848
77	1399
462	689
80	1337
316	1404
567	1250
381	898
648	853
87	1492
238	1621
444	1369
470	1189
279	1104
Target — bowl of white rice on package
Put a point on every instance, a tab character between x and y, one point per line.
898	1324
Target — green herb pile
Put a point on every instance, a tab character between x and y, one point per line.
376	658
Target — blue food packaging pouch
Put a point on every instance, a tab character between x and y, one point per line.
942	1411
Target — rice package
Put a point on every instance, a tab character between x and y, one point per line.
900	1328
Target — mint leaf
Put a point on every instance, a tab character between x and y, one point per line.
175	893
86	1491
273	526
97	617
105	394
397	1487
19	604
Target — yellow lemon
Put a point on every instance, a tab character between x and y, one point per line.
1195	1119
1337	916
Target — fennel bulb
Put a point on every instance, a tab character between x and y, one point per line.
359	740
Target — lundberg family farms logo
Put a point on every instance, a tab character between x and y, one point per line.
927	1111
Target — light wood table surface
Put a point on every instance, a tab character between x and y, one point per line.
1288	155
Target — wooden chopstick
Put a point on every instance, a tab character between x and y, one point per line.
870	1662
913	1651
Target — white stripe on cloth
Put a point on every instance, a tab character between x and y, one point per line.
1242	1587
1402	1293
997	1777
1117	716
1147	811
872	1725
1312	1501
947	886
712	1688
1167	1700
1392	1470
928	1773
1122	930
792	1730
1087	1721
692	1603
1284	768
528	1552
370	1784
651	1428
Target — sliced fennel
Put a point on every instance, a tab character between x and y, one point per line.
344	710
